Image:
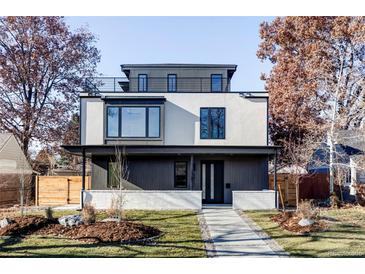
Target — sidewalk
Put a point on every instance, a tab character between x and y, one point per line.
231	235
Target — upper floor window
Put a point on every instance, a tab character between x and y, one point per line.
142	82
216	82
171	83
113	122
212	123
133	122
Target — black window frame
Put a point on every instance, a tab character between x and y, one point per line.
139	88
209	129
187	174
211	82
168	82
120	122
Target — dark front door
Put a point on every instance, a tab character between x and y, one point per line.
212	181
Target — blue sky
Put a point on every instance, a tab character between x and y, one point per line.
179	40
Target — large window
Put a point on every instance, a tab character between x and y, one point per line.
212	123
171	83
216	82
181	174
133	122
142	82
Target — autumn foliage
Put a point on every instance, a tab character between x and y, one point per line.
310	56
42	66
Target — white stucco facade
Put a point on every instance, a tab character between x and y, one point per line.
142	199
253	200
245	118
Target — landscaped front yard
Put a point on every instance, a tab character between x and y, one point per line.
345	236
181	238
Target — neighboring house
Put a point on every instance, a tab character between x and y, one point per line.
188	138
349	154
14	167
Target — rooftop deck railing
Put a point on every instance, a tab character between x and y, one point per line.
156	84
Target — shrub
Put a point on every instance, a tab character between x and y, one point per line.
334	201
88	214
48	213
116	209
306	210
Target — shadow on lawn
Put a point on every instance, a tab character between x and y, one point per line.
148	216
134	249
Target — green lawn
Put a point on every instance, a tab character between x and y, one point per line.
345	236
181	238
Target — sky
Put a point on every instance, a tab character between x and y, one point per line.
215	40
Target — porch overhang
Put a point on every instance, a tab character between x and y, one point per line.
172	150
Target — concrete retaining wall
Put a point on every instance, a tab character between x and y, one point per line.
146	199
253	200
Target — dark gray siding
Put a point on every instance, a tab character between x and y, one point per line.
157	173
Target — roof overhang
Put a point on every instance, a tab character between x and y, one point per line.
134	99
172	150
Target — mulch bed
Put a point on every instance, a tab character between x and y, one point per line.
107	232
289	221
24	226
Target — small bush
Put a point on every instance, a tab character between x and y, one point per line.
88	214
48	213
306	210
335	201
116	209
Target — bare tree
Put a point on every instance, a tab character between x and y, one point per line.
120	173
300	156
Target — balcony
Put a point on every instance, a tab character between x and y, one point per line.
156	84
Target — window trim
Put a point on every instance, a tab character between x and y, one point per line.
120	107
211	81
187	174
209	115
143	74
168	78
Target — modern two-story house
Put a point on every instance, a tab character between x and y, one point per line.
187	138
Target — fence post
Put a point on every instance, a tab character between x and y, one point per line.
275	181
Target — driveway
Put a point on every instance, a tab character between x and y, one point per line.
230	234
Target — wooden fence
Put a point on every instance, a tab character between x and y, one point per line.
10	189
59	190
311	186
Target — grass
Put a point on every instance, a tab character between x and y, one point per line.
345	236
181	238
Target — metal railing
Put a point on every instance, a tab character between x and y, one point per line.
156	84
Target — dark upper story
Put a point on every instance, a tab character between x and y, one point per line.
166	78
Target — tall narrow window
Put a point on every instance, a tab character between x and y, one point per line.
171	83
216	82
113	122
142	82
181	174
112	181
154	122
212	123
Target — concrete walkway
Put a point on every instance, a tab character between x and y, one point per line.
232	235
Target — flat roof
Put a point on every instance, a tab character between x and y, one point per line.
178	65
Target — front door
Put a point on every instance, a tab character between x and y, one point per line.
212	181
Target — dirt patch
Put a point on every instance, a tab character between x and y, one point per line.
24	226
289	221
102	232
